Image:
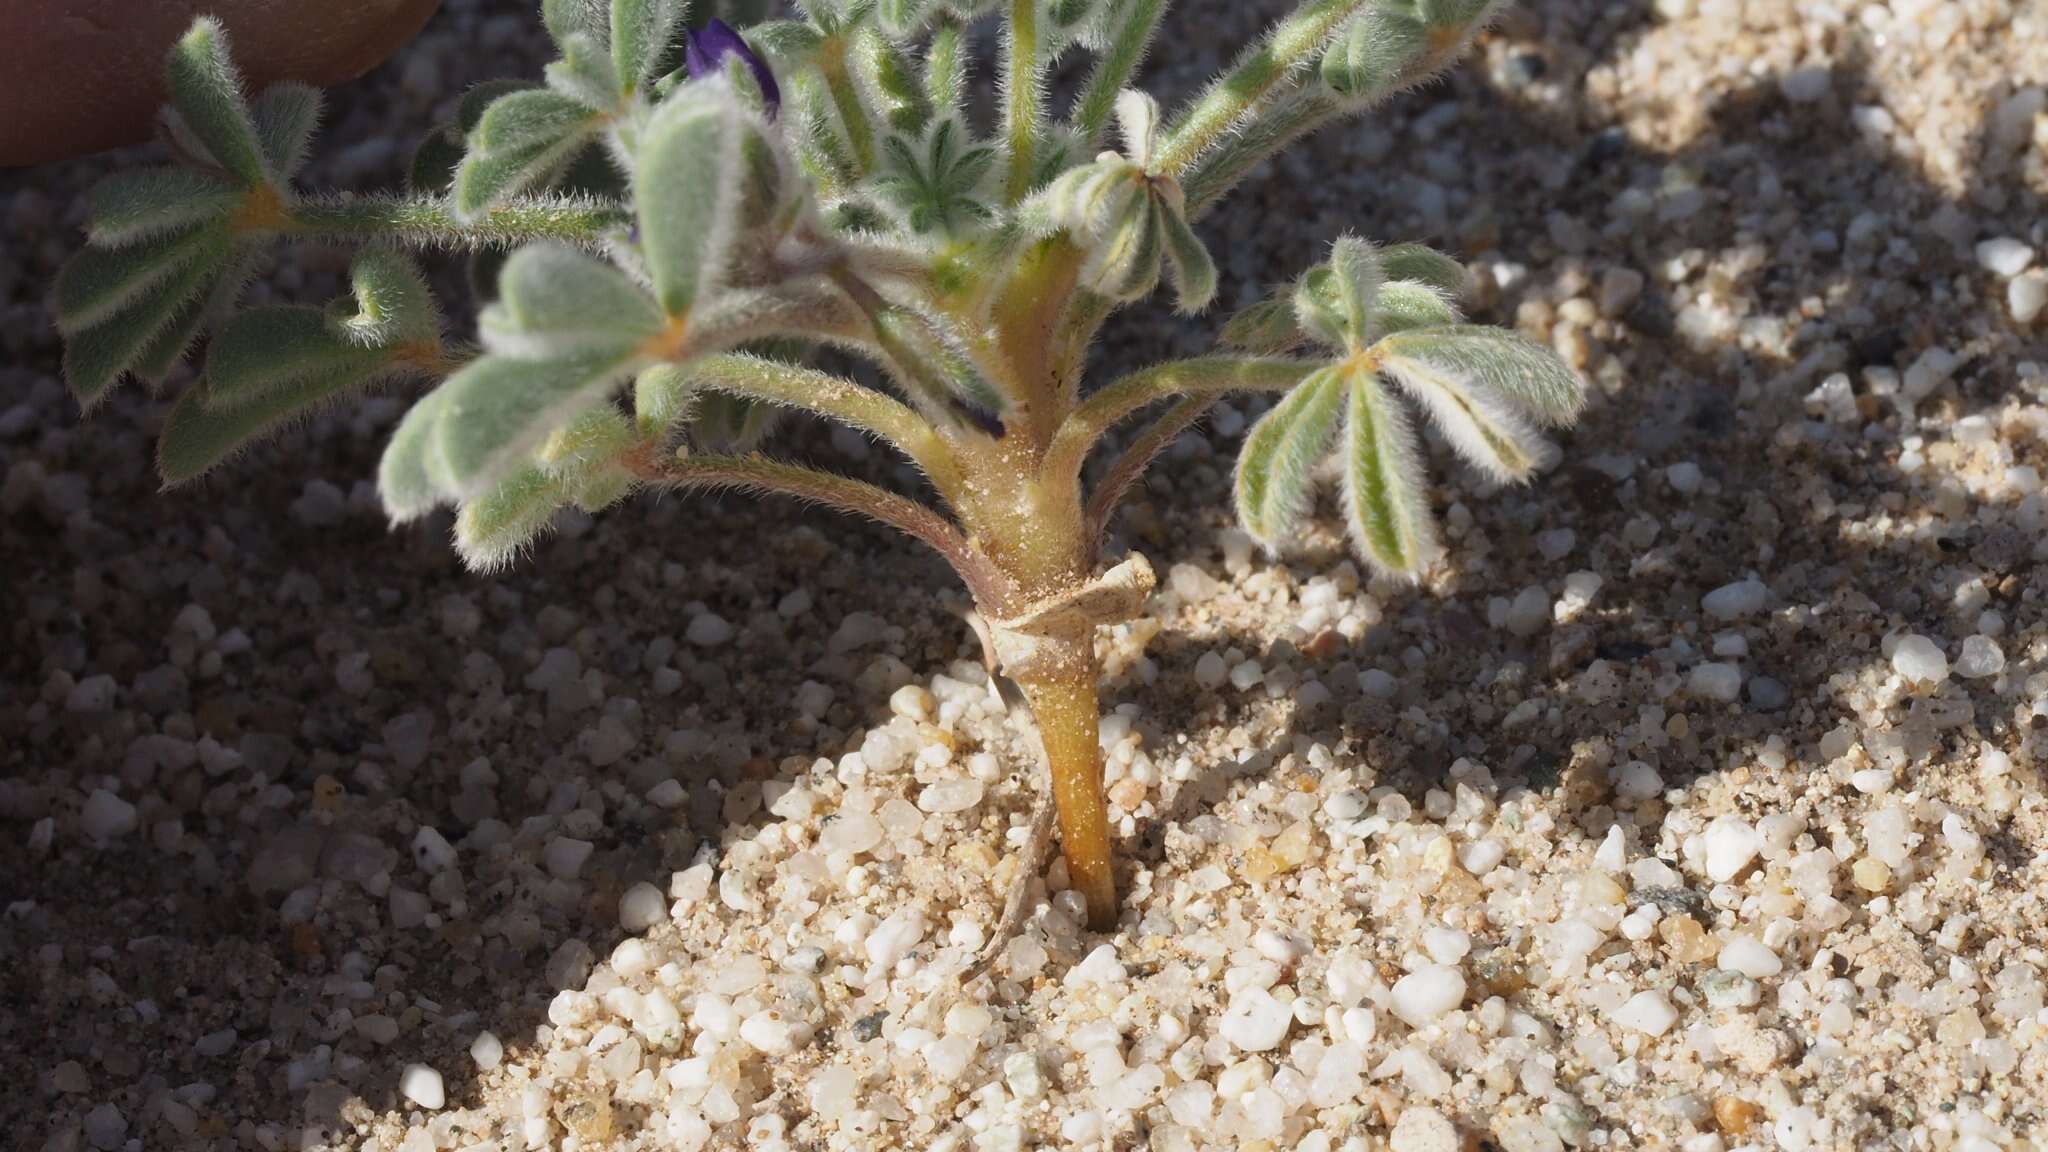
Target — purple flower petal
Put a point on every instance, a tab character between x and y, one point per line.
711	44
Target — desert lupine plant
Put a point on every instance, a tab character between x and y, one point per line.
672	221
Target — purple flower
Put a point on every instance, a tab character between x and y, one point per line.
711	44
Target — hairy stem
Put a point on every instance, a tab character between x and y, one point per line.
1289	119
1119	399
1137	456
758	474
1023	95
846	102
1065	705
1127	46
1272	63
431	221
834	398
1028	311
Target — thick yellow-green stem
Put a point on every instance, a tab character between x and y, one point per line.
1065	705
1032	529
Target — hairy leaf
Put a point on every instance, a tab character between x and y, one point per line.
585	456
407	479
391	301
1355	265
1425	265
263	350
499	410
1482	422
98	282
555	301
1495	361
566	18
141	203
1267	328
1188	263
584	73
731	425
1280	454
1320	307
904	18
688	185
285	116
524	140
663	399
1385	503
198	438
156	358
643	39
1137	119
497	524
1405	304
207	92
1371	53
96	355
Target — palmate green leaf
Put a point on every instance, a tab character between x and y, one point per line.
495	526
285	116
134	335
585	457
1280	453
1497	361
1356	276
389	301
689	192
410	482
892	82
1266	328
156	360
143	203
1066	14
198	437
1473	392
1386	505
585	73
207	93
1319	306
731	425
1405	304
523	141
663	400
499	410
566	18
644	34
98	282
904	19
1187	263
262	351
1425	266
1371	53
554	302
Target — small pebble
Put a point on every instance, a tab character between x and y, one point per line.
1428	994
1731	843
1256	1022
422	1085
1648	1012
1919	660
2004	256
487	1050
1751	957
106	817
642	907
1424	1130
